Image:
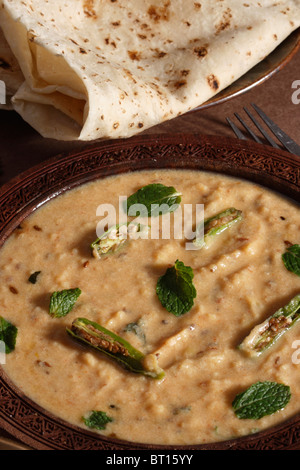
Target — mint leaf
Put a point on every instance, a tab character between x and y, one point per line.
62	302
175	289
291	259
8	334
156	198
261	399
136	327
97	420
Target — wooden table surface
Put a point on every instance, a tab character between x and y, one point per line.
22	147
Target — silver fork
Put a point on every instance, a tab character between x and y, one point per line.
285	140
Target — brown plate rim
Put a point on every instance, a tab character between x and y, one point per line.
278	170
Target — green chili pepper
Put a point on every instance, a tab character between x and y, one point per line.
217	224
264	335
105	341
114	238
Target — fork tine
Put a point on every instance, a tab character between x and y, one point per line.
261	129
236	130
254	136
286	141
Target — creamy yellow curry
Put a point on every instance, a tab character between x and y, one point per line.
239	280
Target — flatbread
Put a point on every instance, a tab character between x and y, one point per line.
108	69
11	76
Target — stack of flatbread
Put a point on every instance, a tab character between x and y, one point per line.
91	69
